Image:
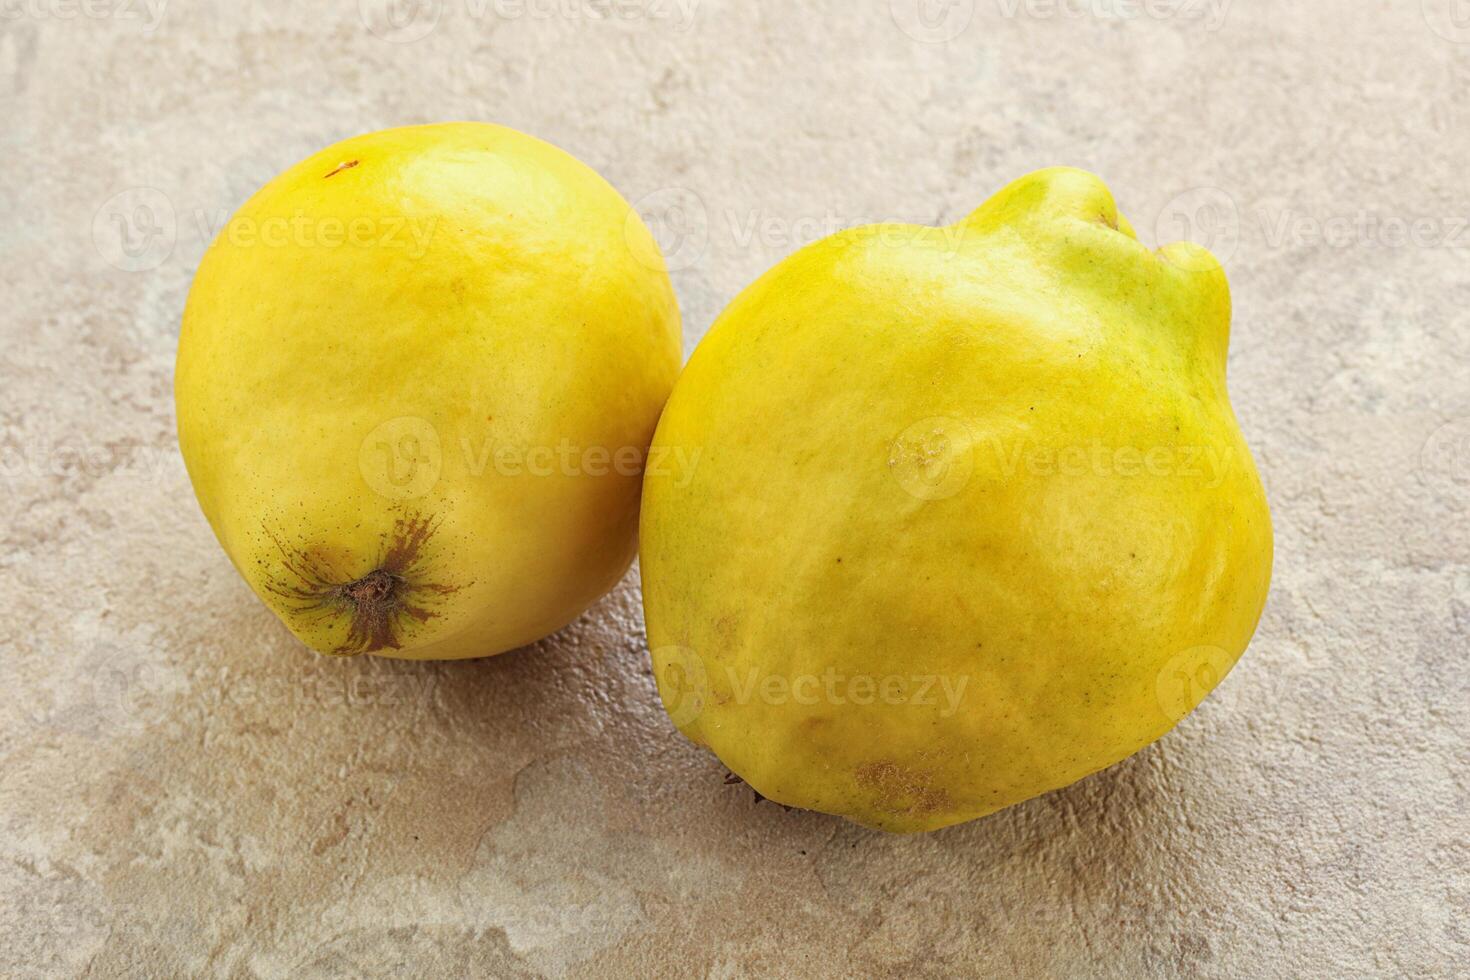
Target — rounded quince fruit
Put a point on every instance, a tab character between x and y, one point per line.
418	376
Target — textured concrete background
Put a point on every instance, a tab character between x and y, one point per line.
185	791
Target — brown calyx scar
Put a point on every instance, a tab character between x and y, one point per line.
345	165
380	608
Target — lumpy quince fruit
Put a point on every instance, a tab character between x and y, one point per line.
417	376
971	517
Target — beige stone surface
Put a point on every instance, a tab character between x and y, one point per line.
184	791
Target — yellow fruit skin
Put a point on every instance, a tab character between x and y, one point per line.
418	361
923	458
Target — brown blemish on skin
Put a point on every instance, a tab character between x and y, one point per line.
900	791
380	606
347	165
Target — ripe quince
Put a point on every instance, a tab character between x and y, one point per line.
418	375
972	516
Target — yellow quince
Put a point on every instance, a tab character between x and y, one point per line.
972	516
417	378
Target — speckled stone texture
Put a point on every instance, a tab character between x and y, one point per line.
185	791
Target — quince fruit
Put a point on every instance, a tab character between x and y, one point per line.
417	378
972	516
